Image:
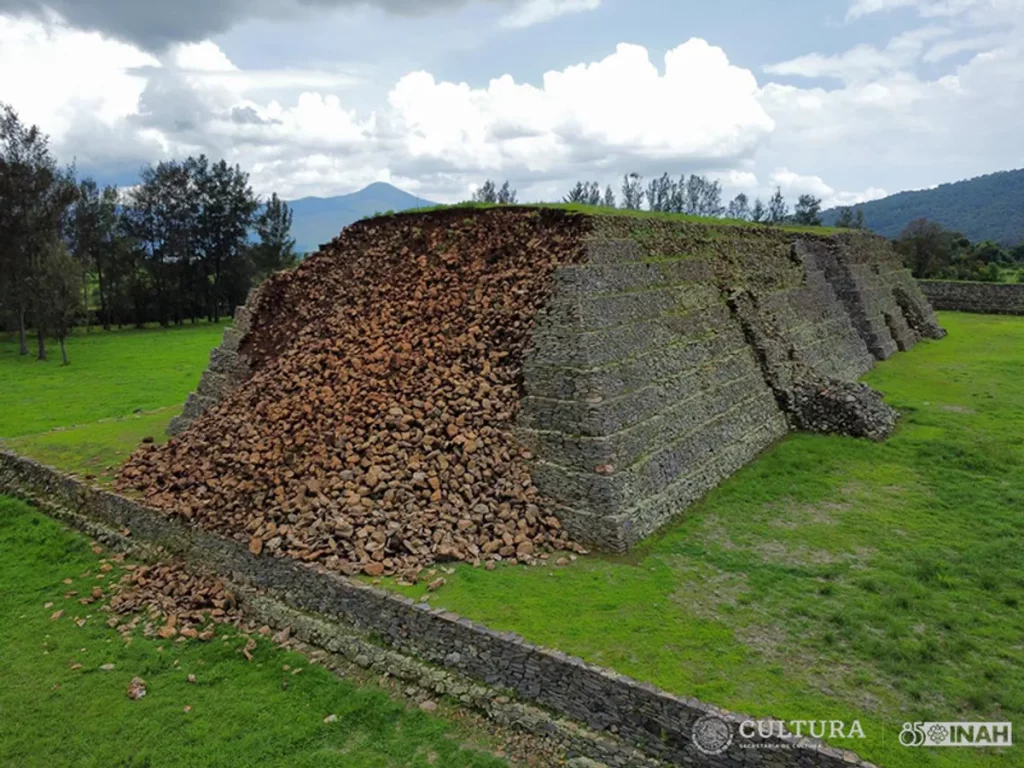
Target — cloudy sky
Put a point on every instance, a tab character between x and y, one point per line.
846	99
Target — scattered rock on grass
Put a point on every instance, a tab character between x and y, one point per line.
136	689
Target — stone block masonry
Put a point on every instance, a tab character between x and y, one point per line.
981	298
676	352
611	718
229	367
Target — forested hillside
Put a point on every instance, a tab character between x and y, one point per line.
985	208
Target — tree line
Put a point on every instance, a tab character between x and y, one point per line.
695	195
185	243
931	251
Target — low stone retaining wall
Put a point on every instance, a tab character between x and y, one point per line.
982	298
623	711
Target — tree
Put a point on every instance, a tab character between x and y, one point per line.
226	206
60	280
506	195
711	199
189	221
33	201
94	235
577	195
677	197
807	211
632	191
161	216
988	252
778	211
739	208
758	214
926	247
276	248
700	196
659	193
609	197
488	193
584	193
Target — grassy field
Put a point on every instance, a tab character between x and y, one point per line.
832	579
120	387
61	708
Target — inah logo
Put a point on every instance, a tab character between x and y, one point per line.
712	735
957	735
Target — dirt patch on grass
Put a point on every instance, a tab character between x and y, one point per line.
775	552
957	408
709	591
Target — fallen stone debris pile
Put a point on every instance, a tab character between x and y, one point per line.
842	408
374	435
169	602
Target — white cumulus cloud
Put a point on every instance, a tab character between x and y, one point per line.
793	185
699	108
53	76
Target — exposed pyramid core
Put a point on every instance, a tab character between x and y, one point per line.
496	384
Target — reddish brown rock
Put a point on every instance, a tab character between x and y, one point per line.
374	433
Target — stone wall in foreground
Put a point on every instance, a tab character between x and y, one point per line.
982	298
677	351
620	715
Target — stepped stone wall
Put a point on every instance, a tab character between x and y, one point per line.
676	352
229	367
982	298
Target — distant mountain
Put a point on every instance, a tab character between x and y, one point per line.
985	208
316	220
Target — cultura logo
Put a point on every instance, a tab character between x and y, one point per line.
712	735
957	735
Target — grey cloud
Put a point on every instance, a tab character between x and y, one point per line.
155	24
249	116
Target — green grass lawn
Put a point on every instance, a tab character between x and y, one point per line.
834	578
243	713
112	374
120	387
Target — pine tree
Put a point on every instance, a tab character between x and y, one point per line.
807	211
488	193
778	210
577	195
506	195
276	248
739	208
632	191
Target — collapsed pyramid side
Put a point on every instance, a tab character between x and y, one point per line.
476	384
